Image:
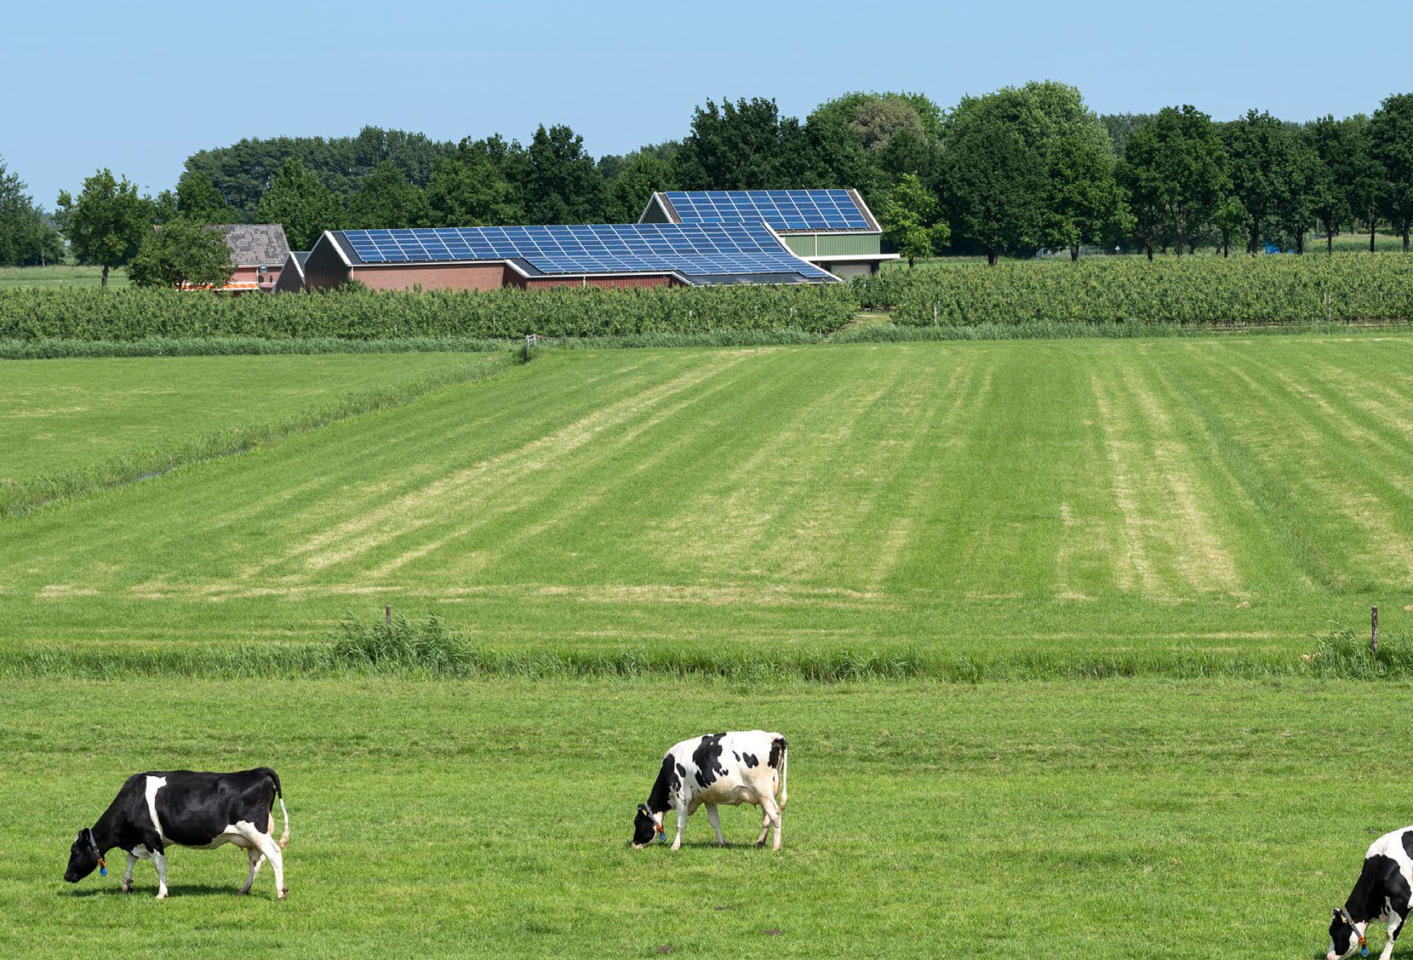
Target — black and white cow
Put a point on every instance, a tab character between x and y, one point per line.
718	768
202	810
1382	892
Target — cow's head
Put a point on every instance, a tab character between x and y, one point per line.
84	857
1345	937
646	825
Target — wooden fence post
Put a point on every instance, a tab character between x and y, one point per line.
387	616
1374	630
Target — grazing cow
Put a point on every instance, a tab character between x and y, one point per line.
719	768
1382	892
202	810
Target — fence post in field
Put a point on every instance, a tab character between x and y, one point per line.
387	618
1374	630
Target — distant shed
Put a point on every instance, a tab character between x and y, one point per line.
258	251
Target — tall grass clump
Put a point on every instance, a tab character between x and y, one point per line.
401	644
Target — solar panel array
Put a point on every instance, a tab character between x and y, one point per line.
688	249
782	209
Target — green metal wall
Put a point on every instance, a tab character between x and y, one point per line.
832	244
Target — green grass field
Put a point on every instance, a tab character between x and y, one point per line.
61	275
1223	496
59	415
1074	820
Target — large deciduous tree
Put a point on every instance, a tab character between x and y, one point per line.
993	182
25	237
106	222
1174	172
910	220
1266	169
300	202
387	201
182	252
1391	144
559	181
738	146
198	199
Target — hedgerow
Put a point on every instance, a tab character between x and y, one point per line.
133	314
1194	290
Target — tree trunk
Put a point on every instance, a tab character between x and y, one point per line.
1074	252
911	261
1180	238
1329	242
1373	225
1226	247
1148	248
104	284
1300	243
1254	239
1405	238
991	257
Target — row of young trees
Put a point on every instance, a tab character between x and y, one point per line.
1009	172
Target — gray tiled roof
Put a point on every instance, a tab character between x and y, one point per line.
255	244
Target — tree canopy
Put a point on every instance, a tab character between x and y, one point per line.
179	253
106	222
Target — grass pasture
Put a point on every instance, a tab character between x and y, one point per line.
61	415
1135	818
60	275
1150	499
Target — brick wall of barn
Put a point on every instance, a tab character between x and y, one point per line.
461	276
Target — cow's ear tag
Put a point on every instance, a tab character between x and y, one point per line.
102	868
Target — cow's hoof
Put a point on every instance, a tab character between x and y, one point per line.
284	892
760	844
162	895
126	888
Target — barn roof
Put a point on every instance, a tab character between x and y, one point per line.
255	244
786	211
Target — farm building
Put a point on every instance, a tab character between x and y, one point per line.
832	229
259	252
537	257
291	279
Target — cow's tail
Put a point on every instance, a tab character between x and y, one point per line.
784	762
279	795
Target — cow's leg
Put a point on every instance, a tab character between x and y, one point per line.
764	826
1395	926
715	822
257	860
266	844
772	813
127	874
682	815
159	860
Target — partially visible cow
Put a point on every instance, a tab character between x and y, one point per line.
1382	892
202	810
719	768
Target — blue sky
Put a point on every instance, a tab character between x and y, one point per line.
138	86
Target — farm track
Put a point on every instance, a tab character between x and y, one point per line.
1154	497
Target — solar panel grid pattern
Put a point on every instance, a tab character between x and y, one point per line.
782	209
689	249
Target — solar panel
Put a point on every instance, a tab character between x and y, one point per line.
782	209
692	249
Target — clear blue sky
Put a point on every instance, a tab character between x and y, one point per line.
140	85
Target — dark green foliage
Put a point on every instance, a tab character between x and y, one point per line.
507	313
470	191
638	178
198	199
1391	145
1174	169
181	252
993	181
744	145
243	171
26	238
559	181
302	205
910	221
386	200
106	222
1266	162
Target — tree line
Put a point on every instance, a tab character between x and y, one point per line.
1002	174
